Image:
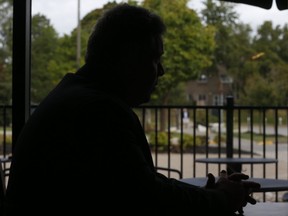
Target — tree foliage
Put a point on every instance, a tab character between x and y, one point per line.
224	19
257	78
188	45
44	43
6	11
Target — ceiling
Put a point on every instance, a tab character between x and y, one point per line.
266	4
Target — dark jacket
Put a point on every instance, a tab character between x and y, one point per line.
84	151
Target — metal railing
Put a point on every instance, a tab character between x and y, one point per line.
179	134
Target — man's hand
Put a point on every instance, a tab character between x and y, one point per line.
237	191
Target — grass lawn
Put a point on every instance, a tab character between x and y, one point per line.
258	137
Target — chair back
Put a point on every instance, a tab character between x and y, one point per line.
169	170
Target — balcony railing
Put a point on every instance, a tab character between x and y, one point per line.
180	134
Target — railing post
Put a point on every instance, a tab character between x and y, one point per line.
229	135
229	127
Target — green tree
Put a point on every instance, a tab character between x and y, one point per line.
238	60
259	92
234	47
283	44
6	11
267	41
44	42
188	45
279	74
279	79
223	17
64	60
270	65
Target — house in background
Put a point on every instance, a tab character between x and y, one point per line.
210	89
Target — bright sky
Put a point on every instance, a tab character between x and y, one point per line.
63	13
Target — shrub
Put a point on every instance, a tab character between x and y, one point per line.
162	140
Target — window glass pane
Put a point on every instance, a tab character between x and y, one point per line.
6	22
248	40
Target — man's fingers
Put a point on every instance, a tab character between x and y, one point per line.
211	181
238	176
251	184
251	200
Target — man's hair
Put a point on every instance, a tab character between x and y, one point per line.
118	29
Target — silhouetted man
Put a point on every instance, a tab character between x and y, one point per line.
84	152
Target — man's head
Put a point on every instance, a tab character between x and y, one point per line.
124	49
